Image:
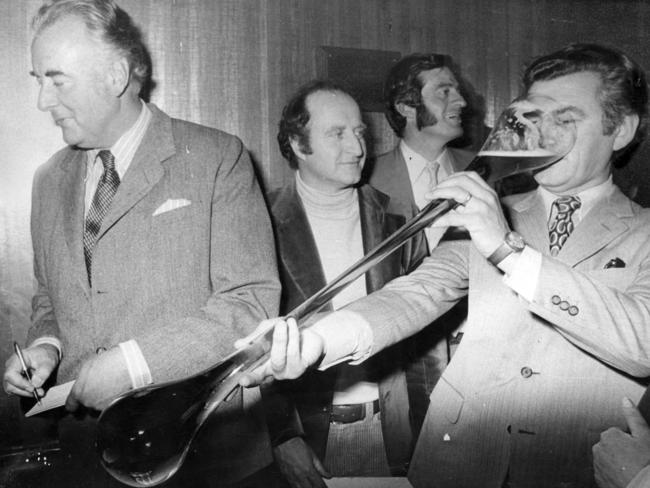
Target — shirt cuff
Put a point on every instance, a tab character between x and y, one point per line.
52	341
524	273
347	337
136	364
641	479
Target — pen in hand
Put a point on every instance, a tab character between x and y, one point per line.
23	365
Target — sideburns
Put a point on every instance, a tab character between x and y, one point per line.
423	117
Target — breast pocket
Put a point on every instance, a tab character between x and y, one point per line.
618	278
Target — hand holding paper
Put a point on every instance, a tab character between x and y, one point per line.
54	397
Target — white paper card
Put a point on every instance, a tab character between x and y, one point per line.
54	397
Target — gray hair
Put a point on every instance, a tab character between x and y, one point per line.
111	25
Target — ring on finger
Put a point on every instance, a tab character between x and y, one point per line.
467	199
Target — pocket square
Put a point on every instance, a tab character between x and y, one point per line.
615	263
171	204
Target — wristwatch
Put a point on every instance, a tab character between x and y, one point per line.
512	242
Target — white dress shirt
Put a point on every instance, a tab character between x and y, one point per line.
421	184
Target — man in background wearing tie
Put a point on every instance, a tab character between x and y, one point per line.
152	245
424	106
558	281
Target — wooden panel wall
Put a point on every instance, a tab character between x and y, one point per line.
232	64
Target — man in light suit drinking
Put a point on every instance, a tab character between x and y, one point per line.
152	245
556	335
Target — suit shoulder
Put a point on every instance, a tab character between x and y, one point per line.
281	201
371	193
387	171
387	158
57	159
188	133
462	156
463	153
55	163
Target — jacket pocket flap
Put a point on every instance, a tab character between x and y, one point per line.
447	399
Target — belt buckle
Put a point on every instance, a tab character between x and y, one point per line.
346	414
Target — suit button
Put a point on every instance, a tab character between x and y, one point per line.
100	350
555	299
526	372
573	310
564	305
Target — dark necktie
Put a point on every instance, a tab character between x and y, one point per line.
106	189
563	225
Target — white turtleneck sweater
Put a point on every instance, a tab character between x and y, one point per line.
336	227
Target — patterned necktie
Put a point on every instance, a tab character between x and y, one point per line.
106	189
563	225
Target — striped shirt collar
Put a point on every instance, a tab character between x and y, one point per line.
125	147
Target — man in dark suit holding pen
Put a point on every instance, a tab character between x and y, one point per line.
152	245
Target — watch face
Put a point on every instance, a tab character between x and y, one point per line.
515	241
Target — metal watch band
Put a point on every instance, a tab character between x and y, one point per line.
502	252
512	242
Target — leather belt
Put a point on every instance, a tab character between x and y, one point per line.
346	414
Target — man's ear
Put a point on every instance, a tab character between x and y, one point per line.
297	149
624	133
119	76
406	111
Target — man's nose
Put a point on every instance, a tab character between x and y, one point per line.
459	99
46	98
355	145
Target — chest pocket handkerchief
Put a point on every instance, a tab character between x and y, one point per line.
171	204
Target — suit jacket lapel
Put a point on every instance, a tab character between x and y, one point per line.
394	178
602	224
372	231
298	249
72	190
145	170
459	159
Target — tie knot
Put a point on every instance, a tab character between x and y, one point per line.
108	160
432	165
567	205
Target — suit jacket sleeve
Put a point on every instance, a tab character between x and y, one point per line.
409	303
243	276
641	480
610	322
43	321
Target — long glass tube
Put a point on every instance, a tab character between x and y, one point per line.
144	435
